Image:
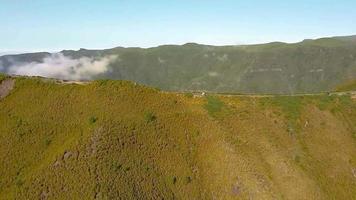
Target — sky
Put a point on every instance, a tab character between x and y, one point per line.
53	25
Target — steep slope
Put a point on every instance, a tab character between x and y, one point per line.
310	66
10	60
351	38
116	139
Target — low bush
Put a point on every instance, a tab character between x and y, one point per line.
150	117
213	105
189	95
92	120
2	77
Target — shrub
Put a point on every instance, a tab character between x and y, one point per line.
291	108
19	182
345	100
48	142
213	105
325	101
189	95
102	82
116	166
150	117
2	77
92	120
127	169
290	105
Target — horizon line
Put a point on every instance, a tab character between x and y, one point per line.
17	52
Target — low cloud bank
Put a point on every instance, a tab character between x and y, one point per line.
63	67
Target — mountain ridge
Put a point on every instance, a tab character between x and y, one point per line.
281	68
342	38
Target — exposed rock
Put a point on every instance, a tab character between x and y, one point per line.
5	87
56	164
67	155
235	190
44	194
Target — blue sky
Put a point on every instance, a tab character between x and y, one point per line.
51	25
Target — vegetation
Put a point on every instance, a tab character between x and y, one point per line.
311	66
189	95
92	120
291	106
2	77
150	117
97	141
213	105
349	86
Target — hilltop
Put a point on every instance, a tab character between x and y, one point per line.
116	139
311	66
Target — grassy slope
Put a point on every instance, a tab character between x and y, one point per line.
114	138
349	86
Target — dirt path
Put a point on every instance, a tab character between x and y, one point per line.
5	87
202	94
74	82
352	93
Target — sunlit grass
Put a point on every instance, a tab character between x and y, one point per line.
116	138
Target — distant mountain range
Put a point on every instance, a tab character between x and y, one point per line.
306	67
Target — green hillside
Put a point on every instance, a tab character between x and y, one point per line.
310	66
120	140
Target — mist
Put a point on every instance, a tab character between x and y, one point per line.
63	67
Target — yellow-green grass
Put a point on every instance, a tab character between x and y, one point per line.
116	139
349	86
2	77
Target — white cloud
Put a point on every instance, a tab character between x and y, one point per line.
63	67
